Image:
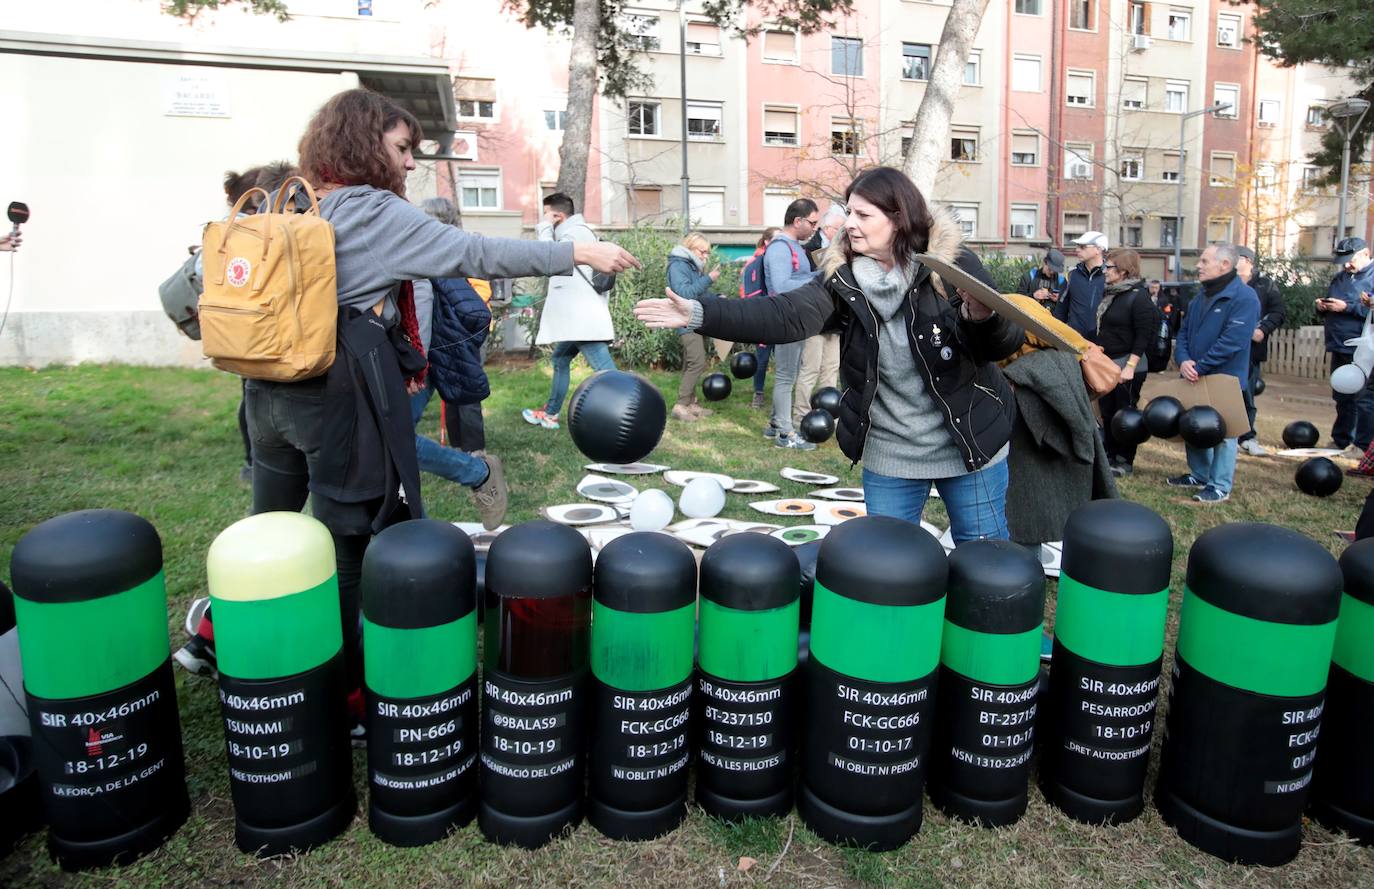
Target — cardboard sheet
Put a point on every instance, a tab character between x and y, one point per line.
1221	391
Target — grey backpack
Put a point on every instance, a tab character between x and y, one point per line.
181	297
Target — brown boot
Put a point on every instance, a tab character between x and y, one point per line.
684	413
700	411
492	495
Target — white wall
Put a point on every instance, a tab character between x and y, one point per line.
118	189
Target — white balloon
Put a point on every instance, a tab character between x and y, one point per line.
651	510
701	498
1348	379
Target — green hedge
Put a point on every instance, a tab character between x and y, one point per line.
1301	281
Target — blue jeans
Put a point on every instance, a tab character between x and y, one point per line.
1216	467
763	353
449	463
976	502
597	355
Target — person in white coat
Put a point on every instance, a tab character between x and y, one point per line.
576	318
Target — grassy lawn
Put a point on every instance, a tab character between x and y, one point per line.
163	444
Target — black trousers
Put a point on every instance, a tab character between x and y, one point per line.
466	430
1126	395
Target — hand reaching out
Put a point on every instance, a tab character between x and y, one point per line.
604	256
664	314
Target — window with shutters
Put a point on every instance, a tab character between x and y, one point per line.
1219	230
1025	221
645	202
1223	170
1168	231
775	204
642	31
1227	94
963	144
967	214
1025	149
1132	167
1138	18
780	47
973	68
1025	73
1268	112
1027	7
1078	160
1081	88
844	137
475	99
1180	24
703	39
1228	30
1135	93
1316	116
781	126
1076	225
707	206
1133	232
479	189
1176	96
1170	171
703	121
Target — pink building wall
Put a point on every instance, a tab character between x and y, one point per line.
1025	111
1225	134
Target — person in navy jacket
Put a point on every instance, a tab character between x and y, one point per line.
1077	305
1215	339
1343	313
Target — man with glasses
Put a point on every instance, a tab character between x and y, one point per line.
787	267
1077	307
1343	313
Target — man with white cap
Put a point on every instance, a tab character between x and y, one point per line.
1077	307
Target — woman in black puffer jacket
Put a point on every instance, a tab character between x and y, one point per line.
1126	322
923	402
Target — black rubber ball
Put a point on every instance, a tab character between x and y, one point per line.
1259	386
1128	427
616	417
716	387
817	426
827	399
1300	434
1202	426
1318	477
1161	416
744	365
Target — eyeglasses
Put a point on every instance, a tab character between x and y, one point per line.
1110	267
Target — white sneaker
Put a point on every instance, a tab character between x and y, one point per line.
1252	447
195	613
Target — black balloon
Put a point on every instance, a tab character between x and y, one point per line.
817	426
744	365
1259	386
1128	427
716	387
1318	477
1161	416
1202	426
1300	434
616	417
827	399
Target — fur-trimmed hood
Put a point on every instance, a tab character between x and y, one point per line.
946	242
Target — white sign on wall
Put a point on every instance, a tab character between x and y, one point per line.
195	92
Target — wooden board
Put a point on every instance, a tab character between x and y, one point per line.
1221	391
995	301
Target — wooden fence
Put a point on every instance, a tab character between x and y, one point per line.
1299	352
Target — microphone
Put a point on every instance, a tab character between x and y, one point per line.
18	213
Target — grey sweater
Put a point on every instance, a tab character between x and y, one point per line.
908	438
381	240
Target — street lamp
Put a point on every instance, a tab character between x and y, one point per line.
1343	113
682	60
1182	167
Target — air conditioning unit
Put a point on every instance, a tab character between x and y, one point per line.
1080	170
1140	42
1023	232
1267	124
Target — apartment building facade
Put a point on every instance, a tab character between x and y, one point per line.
1074	115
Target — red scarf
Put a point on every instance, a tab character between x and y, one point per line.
410	324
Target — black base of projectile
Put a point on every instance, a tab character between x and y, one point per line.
1269	848
1360	828
268	841
526	832
988	813
72	855
1093	811
877	833
729	809
420	830
626	824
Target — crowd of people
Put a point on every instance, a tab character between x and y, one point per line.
841	299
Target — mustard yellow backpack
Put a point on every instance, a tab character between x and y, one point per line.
270	303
